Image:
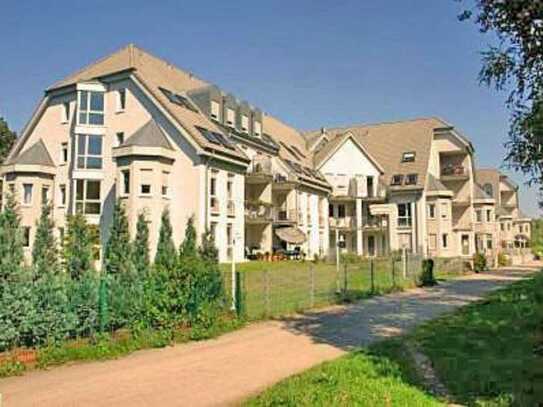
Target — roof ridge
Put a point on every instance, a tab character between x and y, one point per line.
374	124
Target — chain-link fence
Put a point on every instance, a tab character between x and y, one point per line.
276	289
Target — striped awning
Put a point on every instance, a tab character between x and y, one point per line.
291	235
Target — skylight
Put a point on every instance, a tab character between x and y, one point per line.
408	157
178	99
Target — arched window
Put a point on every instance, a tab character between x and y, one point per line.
488	189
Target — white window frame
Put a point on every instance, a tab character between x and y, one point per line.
444	210
85	155
31	194
478	216
244	123
142	184
88	112
257	129
64	153
65	113
165	187
63	195
86	200
215	110
230	117
214	181
431	211
45	193
121	100
408	217
124	184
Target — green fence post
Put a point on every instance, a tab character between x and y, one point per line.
393	274
267	292
312	285
344	281
239	294
102	304
372	274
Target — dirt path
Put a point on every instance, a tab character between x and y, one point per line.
225	370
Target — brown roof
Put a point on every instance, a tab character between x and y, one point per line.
155	73
37	154
149	135
387	142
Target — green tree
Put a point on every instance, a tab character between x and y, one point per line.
515	62
166	255
141	246
118	251
7	139
536	242
189	246
11	240
44	252
208	250
78	246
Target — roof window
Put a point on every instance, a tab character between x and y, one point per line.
408	157
396	180
411	179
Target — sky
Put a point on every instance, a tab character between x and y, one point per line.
310	63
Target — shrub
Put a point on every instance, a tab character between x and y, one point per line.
479	262
44	251
350	258
140	254
166	255
11	240
118	251
426	277
503	259
78	246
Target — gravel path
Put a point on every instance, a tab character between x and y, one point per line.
225	370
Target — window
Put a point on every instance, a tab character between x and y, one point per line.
26	236
215	110
520	228
213	200
369	186
341	211
330	210
489	215
502	227
444	210
89	151
230	117
119	138
489	241
121	100
87	196
44	194
396	179
244	123
229	235
64	153
508	227
404	214
65	112
431	211
27	194
488	189
408	157
257	128
432	242
126	181
62	194
411	179
478	215
213	230
91	108
165	183
146	176
444	240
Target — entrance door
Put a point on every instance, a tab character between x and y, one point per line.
371	246
465	245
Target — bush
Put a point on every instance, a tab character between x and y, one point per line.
350	258
479	262
426	277
503	260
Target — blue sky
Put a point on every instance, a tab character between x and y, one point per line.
311	63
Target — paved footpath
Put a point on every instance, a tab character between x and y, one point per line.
225	370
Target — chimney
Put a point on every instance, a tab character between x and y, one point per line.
323	130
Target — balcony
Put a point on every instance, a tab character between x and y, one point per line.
343	223
453	172
258	213
358	187
374	223
230	209
214	205
284	216
259	171
284	183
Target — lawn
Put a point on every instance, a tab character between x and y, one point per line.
380	376
489	353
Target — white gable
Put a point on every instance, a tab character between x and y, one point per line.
350	160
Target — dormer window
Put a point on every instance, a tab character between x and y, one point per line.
215	110
230	117
65	112
408	157
257	129
91	108
411	179
244	123
121	100
396	180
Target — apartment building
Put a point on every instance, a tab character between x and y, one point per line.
134	128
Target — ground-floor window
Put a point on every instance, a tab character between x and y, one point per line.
87	196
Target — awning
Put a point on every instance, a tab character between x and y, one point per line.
291	235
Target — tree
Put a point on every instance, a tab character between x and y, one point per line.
208	250
166	255
141	246
118	251
517	61
188	248
44	251
11	240
7	139
78	246
536	240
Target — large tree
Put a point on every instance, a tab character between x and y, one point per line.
11	240
78	249
140	252
7	139
44	252
118	252
515	63
166	255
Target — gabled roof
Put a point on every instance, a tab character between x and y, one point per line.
155	74
388	141
479	193
434	185
37	154
149	135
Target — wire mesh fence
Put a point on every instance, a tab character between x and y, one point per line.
275	289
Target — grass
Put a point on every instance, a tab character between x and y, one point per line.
111	346
488	354
380	376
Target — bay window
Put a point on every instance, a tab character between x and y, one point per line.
91	108
87	196
89	151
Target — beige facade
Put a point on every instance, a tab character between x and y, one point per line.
136	129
